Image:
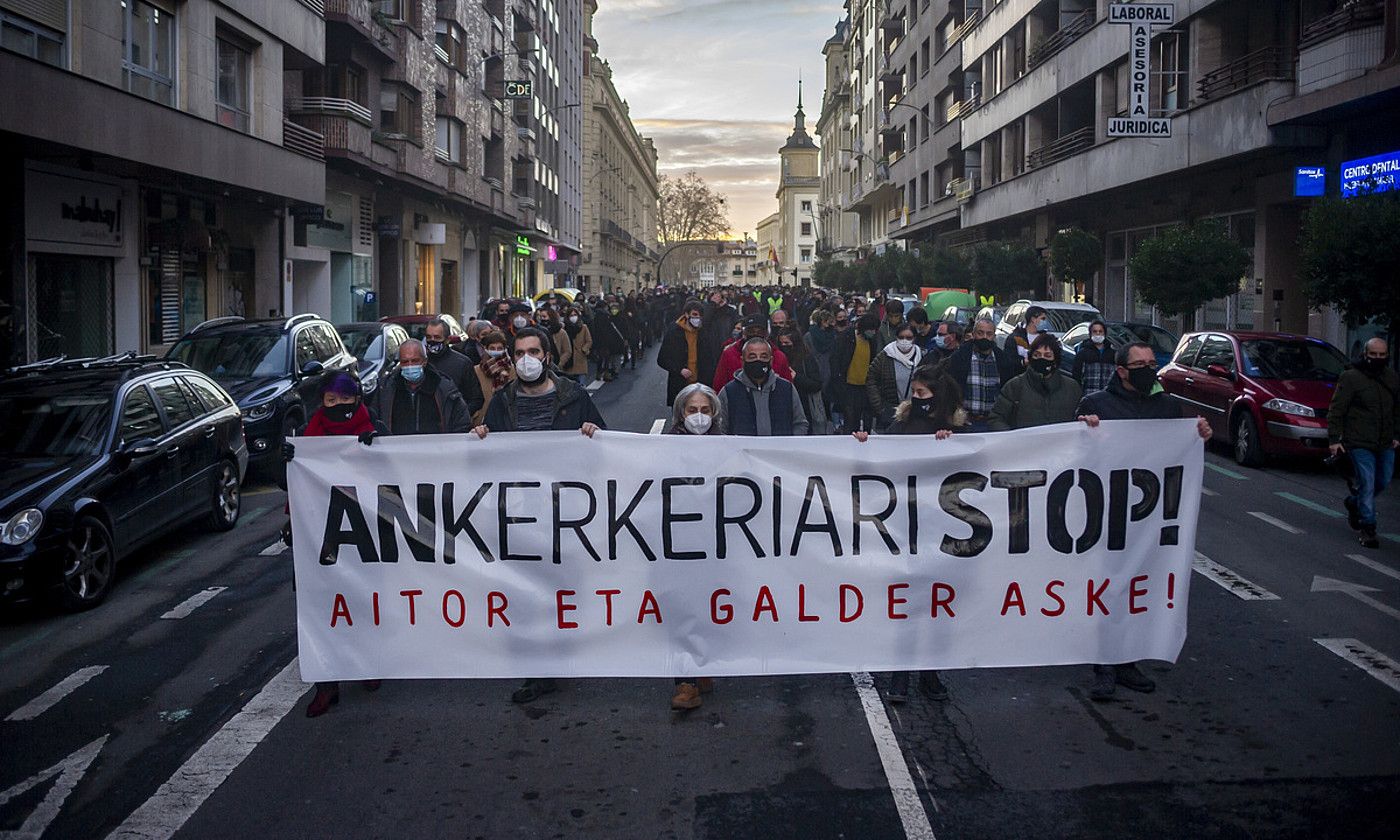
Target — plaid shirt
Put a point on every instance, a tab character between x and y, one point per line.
1097	375
983	385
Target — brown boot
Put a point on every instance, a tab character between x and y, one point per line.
327	695
687	697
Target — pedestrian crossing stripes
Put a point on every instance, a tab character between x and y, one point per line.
1229	581
1367	658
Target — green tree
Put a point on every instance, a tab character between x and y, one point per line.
1184	266
1348	257
833	274
949	269
1007	270
1075	254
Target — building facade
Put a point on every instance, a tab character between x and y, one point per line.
711	262
874	83
766	237
620	207
799	189
838	231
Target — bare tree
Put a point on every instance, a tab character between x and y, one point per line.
689	209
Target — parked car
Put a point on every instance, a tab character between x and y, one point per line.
1120	333
274	369
1265	393
959	314
101	456
375	344
990	313
1062	316
417	326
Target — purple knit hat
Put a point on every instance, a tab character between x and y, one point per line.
343	384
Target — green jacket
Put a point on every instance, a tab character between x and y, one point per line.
1034	400
1363	410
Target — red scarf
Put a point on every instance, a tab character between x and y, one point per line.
321	426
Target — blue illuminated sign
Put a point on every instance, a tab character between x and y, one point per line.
1370	175
1310	181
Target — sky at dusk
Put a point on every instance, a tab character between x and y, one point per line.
714	82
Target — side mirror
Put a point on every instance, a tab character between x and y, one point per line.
1220	371
128	452
312	368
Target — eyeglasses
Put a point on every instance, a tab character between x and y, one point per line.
1141	365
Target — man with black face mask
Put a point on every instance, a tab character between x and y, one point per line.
1132	395
1361	426
759	403
451	365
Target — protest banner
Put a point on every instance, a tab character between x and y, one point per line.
550	554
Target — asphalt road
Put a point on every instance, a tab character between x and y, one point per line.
122	722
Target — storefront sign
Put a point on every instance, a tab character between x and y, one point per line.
520	89
522	246
431	233
1140	18
330	229
1370	175
1310	181
545	554
72	210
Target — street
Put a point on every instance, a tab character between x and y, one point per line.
171	710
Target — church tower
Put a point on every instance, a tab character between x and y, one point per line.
798	188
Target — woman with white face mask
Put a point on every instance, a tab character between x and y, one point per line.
696	411
891	374
1094	363
495	372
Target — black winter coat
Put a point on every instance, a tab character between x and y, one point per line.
673	356
572	407
1118	403
959	365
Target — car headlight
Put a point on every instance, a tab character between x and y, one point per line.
262	411
21	528
1290	407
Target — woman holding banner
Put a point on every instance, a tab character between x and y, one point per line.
696	411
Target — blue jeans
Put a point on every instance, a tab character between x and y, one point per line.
1374	469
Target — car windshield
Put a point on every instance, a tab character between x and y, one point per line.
1271	358
416	330
39	425
1162	341
1065	319
363	343
237	355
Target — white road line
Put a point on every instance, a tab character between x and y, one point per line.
657	425
906	795
274	549
1366	658
1206	491
175	802
50	698
194	602
1276	522
1231	582
594	385
69	772
1375	566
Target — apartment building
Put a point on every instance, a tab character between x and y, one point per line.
711	262
875	81
619	165
1252	91
838	231
766	236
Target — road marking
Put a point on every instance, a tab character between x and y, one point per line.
657	425
1225	472
1310	505
1392	537
906	795
175	802
50	698
274	549
1206	491
1229	581
1366	658
69	772
1354	590
252	516
1375	566
1276	522
194	602
594	385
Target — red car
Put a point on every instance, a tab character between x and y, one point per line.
417	325
1265	393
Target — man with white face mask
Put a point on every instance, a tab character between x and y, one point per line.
417	400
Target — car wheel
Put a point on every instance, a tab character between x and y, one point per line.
89	562
227	498
1248	449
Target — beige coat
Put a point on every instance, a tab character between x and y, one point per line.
583	345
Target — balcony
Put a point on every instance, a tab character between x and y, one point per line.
1261	65
965	188
962	29
1360	15
892	24
344	125
303	141
1341	46
957	110
1061	39
1057	150
358	16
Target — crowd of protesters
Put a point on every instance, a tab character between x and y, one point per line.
755	362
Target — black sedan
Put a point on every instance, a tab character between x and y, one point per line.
102	456
376	345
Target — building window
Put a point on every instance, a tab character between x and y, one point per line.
231	90
398	112
148	63
391	9
449	139
806	255
923	189
1169	73
806	207
32	40
451	39
806	228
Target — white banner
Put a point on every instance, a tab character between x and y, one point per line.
550	554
